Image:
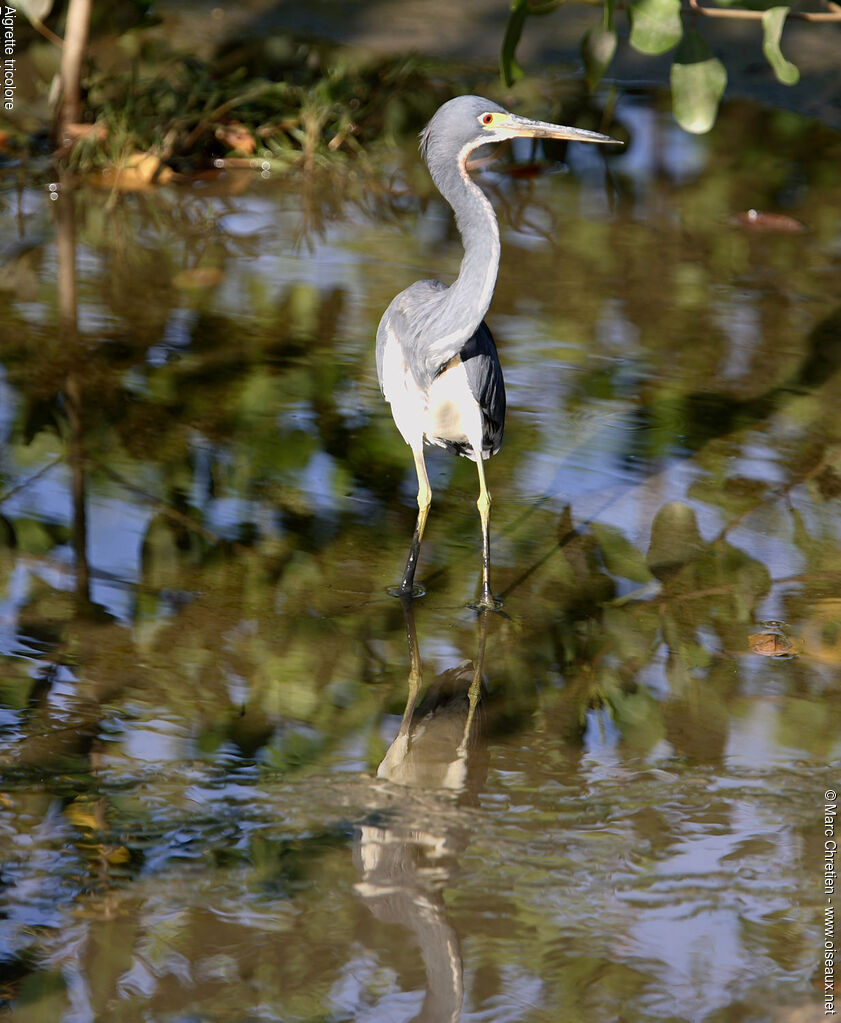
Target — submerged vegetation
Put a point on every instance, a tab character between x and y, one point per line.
147	108
283	100
306	106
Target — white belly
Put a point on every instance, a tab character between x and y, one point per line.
446	412
453	413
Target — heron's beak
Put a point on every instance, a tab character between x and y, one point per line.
524	127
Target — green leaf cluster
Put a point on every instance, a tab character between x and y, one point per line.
698	78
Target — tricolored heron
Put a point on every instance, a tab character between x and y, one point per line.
436	360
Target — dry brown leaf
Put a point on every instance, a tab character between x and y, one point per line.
756	220
235	135
138	171
769	644
96	131
76	132
773	641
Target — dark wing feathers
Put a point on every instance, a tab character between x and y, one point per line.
484	374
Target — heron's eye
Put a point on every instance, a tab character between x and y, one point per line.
487	119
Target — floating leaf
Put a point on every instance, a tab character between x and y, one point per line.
772	643
597	49
698	82
160	555
772	26
508	66
757	220
655	25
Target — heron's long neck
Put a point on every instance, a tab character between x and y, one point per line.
468	298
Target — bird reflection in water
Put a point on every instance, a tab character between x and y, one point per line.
407	857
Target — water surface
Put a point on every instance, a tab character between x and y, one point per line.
241	782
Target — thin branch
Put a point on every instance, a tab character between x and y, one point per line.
536	7
729	12
208	119
833	14
30	480
165	509
779	493
47	33
805	577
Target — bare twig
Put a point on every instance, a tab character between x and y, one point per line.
779	493
47	33
30	480
833	14
207	119
728	12
164	508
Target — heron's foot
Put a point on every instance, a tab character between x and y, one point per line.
406	591
487	602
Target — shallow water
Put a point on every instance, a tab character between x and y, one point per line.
605	802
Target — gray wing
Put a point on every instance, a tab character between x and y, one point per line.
405	321
417	320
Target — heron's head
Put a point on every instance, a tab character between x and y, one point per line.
464	123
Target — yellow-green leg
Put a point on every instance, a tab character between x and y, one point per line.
407	586
484	506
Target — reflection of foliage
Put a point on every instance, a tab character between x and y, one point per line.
252	404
